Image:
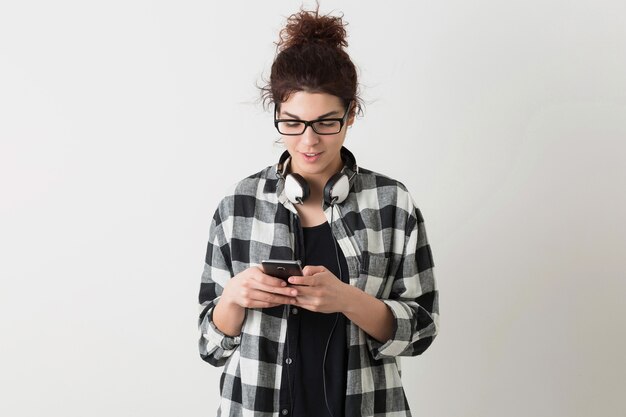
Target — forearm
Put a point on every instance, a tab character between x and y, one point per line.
369	313
228	317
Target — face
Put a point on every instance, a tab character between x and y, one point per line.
314	155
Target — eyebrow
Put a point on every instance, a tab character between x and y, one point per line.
331	113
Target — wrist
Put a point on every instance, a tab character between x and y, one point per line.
351	295
228	316
229	304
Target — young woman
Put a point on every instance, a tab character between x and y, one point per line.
326	343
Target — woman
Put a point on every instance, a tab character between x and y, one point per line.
327	343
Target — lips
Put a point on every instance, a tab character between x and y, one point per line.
311	156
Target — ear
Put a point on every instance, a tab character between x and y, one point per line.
351	118
352	113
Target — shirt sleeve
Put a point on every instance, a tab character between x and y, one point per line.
215	347
414	298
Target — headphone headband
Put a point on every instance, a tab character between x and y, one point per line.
336	189
346	155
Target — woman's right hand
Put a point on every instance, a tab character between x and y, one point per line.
252	288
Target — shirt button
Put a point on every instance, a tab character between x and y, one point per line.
294	311
285	411
288	360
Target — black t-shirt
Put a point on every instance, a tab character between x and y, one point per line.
302	387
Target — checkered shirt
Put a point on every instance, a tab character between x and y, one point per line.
381	233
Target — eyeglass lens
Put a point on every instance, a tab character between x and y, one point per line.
323	127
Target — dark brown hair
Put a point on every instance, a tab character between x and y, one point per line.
311	57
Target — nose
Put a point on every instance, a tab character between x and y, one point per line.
309	137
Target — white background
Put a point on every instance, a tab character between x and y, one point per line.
123	122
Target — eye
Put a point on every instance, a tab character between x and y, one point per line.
326	123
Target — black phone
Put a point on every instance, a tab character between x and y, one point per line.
282	269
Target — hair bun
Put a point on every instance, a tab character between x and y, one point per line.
309	27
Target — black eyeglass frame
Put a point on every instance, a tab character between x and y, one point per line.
308	123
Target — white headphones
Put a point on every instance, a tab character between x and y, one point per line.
336	189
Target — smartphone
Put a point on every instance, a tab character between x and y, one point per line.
282	269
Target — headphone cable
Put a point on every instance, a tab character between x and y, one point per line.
288	357
332	216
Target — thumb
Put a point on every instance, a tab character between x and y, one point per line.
312	270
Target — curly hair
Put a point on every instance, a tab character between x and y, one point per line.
311	57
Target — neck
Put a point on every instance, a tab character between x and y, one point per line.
317	182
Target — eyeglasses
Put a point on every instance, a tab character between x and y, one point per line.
294	127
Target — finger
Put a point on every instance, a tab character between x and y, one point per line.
301	280
261	304
287	291
306	305
269	280
309	297
268	297
313	269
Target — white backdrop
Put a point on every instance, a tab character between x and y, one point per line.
123	122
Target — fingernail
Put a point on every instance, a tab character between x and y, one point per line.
284	284
294	293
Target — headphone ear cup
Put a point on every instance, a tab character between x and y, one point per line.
296	188
337	189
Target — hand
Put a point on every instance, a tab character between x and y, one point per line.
321	290
254	289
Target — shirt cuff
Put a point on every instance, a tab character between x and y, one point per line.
218	338
402	334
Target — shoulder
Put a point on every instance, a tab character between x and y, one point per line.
377	190
242	196
249	186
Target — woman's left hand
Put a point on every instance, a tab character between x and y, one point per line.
320	290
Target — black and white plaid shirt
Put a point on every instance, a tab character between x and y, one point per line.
381	233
